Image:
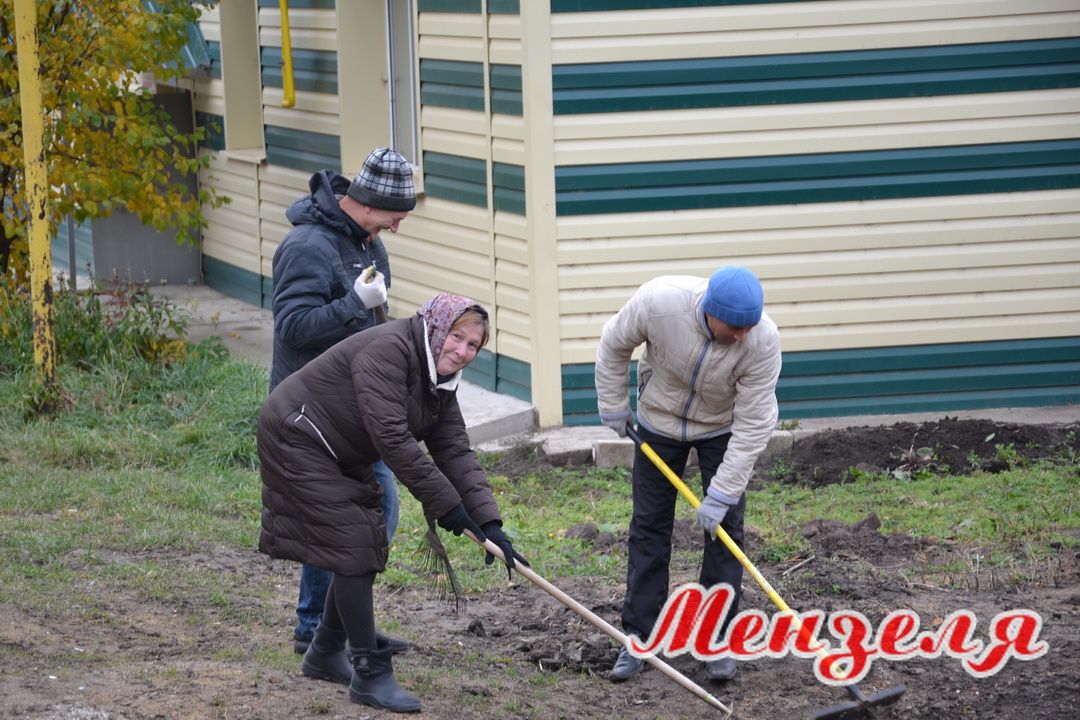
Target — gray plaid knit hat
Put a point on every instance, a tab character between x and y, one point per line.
385	182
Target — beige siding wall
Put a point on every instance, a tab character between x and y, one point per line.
836	275
449	246
246	232
763	29
232	232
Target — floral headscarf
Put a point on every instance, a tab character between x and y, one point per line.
440	313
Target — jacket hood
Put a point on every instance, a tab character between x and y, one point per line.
321	206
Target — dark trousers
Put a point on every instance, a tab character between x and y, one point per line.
350	606
651	524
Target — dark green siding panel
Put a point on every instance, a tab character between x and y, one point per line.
449	6
313	70
579	393
558	6
452	72
213	50
481	371
469	170
501	374
506	89
506	102
865	87
509	187
973	400
268	292
454	190
449	83
873	381
233	281
506	77
511	201
816	77
214	125
504	7
820	64
302	149
938	380
456	178
452	96
508	176
924	357
514	378
826	177
818	165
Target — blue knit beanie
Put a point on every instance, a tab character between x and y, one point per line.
734	296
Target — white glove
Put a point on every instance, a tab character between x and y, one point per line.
371	288
710	514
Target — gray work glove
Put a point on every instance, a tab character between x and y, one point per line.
710	514
370	287
617	421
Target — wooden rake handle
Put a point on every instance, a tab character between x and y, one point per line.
602	625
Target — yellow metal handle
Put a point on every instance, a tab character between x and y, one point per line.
288	84
687	493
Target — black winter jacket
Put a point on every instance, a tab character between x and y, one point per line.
314	270
371	396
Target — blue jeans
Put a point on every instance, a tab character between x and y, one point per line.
314	581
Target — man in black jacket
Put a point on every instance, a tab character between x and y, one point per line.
331	274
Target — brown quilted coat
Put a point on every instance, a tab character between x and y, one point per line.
371	396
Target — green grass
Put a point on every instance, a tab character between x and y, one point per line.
156	458
1022	512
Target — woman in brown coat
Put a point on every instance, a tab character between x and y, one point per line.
375	395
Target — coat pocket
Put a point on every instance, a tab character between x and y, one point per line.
307	426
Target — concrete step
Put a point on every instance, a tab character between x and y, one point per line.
490	415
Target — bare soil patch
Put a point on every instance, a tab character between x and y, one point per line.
517	653
946	446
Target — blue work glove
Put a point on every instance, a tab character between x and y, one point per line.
618	421
457	521
493	530
710	514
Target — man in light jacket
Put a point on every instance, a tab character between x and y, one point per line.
706	380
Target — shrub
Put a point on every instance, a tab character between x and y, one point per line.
93	328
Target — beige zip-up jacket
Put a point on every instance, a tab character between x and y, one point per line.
689	386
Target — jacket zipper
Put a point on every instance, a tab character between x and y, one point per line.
318	432
693	386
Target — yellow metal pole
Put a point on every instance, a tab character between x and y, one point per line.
37	190
287	82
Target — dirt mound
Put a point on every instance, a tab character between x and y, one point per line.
862	539
521	459
946	446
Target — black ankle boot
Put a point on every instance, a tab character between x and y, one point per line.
395	645
373	682
325	658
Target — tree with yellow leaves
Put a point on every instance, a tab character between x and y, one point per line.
107	144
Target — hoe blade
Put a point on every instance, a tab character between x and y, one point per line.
855	710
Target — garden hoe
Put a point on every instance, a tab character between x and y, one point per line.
862	706
600	624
